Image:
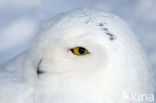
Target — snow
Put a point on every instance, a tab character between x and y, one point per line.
14	35
20	18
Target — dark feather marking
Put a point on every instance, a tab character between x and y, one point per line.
100	24
105	29
111	36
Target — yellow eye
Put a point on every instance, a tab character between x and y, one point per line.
79	51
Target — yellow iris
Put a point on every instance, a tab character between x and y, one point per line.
79	51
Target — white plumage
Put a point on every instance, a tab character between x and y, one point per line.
48	72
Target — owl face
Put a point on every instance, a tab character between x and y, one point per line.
74	50
84	41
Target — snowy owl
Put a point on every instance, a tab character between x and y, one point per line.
80	56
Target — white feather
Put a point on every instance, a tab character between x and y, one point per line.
116	63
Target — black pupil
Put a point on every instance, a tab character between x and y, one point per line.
81	50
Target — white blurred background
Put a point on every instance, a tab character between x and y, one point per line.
19	20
